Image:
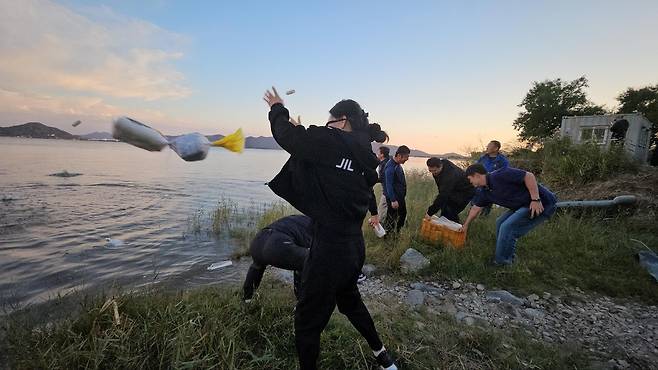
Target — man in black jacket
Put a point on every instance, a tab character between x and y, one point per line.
329	177
455	191
283	244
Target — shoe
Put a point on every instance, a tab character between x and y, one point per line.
385	361
362	277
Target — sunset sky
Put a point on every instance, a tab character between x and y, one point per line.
438	76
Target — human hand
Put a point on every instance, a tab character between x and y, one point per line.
395	205
463	229
272	97
296	122
536	208
373	220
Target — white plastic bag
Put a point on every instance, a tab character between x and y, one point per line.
191	147
454	226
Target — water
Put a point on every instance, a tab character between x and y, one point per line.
53	229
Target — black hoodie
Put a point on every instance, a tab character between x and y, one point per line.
329	175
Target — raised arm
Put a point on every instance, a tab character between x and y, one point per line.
294	139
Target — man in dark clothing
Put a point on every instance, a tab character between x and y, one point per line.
395	188
529	205
383	158
454	189
329	177
283	244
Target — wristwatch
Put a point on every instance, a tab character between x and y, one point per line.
535	200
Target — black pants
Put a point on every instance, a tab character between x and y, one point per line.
395	218
329	279
270	247
451	210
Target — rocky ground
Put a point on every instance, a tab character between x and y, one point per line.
618	335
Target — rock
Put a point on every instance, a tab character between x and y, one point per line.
546	295
456	285
460	316
415	298
369	270
412	261
504	296
470	321
533	313
623	364
533	297
427	288
479	287
448	308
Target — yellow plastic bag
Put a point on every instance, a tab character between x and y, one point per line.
233	142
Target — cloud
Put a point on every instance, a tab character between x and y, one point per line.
60	111
48	48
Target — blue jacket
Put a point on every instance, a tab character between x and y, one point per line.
395	184
493	164
506	187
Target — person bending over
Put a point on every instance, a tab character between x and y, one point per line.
529	205
283	244
455	192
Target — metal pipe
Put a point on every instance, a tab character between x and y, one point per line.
618	201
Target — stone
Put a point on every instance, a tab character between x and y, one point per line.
479	287
461	315
470	321
623	364
415	298
533	313
413	261
504	296
368	270
427	288
546	295
448	308
456	285
533	297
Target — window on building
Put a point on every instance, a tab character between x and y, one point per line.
596	135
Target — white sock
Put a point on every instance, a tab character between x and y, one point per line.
376	353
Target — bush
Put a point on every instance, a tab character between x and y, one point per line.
567	163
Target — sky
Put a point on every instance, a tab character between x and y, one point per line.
438	76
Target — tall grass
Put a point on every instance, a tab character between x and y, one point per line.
212	329
586	251
567	163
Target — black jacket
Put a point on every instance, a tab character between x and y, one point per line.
453	186
297	227
329	175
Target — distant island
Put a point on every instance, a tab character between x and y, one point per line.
37	130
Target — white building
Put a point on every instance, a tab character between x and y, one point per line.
597	129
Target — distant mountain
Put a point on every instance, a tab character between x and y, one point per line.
41	131
97	136
35	130
417	153
261	142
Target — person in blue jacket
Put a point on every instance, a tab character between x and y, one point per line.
395	188
492	160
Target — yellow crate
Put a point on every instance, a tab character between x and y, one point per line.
434	233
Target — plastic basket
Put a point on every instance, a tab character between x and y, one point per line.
435	234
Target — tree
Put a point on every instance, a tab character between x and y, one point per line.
545	105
